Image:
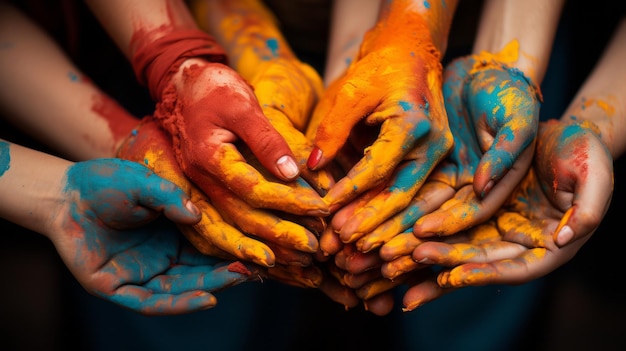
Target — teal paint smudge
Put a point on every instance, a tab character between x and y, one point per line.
272	44
406	106
73	76
426	5
5	157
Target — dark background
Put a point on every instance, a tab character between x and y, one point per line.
581	307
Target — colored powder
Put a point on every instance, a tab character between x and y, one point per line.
238	267
5	157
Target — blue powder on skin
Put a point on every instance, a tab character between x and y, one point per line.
5	157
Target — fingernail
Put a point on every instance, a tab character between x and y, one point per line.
425	260
288	167
564	235
314	158
192	208
487	189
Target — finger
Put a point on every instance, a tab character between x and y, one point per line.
227	238
321	180
263	224
341	107
511	108
142	300
378	286
428	198
232	169
451	255
533	264
288	257
358	262
397	136
356	281
380	305
399	266
422	292
330	243
592	189
263	139
465	209
339	293
303	277
400	245
185	280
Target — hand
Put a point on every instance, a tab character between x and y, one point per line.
110	238
394	85
208	110
225	217
553	212
287	90
491	109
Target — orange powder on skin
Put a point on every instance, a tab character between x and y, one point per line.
397	41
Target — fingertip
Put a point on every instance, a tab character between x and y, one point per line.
193	209
564	236
564	233
288	167
314	158
487	189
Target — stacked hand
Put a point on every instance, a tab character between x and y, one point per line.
109	236
274	242
545	221
394	85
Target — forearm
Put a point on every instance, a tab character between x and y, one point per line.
407	19
602	98
129	22
246	29
349	22
45	95
30	186
529	24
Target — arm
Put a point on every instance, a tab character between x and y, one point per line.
349	22
101	216
202	103
531	25
31	63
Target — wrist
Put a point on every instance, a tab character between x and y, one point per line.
156	61
39	178
600	114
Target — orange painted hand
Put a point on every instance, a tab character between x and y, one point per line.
394	84
211	114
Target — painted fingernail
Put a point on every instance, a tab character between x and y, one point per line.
192	208
564	235
563	232
487	189
288	167
314	158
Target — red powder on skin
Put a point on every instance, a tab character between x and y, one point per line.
120	122
239	267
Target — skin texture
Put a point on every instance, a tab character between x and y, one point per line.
376	92
87	123
107	220
207	108
493	112
286	88
225	216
